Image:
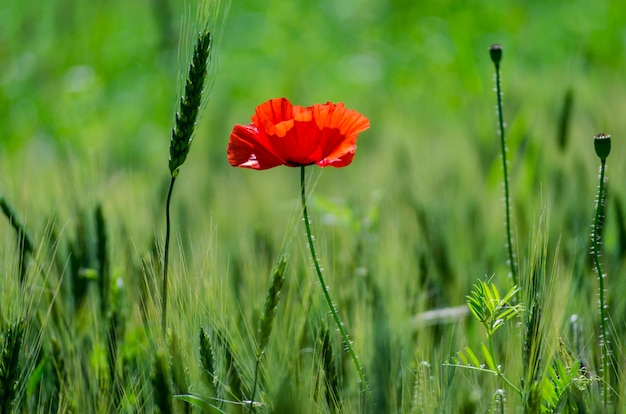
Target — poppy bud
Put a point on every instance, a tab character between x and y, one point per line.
602	145
495	51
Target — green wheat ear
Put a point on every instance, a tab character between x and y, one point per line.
267	317
178	370
207	358
182	135
271	302
190	102
331	376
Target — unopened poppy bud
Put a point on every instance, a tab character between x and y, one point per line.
495	51
602	145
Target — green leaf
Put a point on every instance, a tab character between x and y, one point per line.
476	308
510	294
462	358
35	378
549	391
494	294
488	358
472	357
199	402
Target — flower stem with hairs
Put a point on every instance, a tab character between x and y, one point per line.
331	306
602	145
495	52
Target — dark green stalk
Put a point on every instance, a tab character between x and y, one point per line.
24	242
565	119
161	386
499	372
495	51
602	144
604	341
329	301
103	259
166	255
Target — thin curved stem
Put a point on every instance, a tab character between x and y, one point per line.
331	306
509	239
499	371
166	254
604	341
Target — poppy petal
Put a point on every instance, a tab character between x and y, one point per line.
271	113
342	155
291	134
246	149
339	129
337	116
302	143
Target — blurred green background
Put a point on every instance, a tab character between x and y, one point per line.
103	76
91	89
88	93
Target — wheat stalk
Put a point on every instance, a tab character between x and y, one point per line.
182	135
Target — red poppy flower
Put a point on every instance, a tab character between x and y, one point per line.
284	134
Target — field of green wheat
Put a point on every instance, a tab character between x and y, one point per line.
461	289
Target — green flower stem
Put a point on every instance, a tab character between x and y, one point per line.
331	306
498	370
166	255
512	263
604	343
